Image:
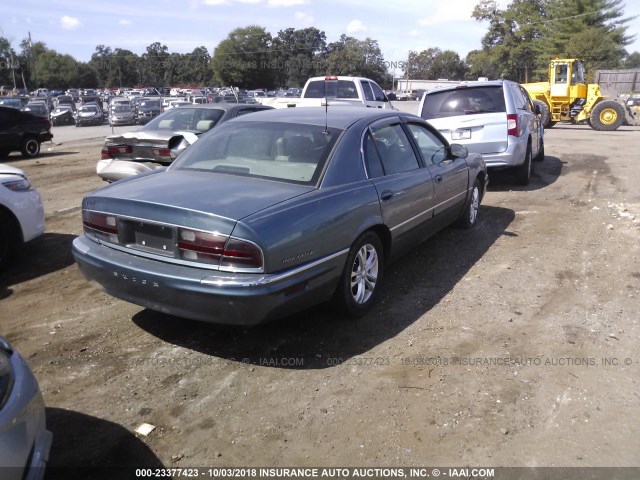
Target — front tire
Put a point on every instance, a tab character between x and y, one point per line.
359	285
607	116
30	147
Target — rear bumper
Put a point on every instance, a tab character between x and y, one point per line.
208	295
513	156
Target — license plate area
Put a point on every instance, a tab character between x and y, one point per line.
150	237
461	134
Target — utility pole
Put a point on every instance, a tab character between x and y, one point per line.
35	71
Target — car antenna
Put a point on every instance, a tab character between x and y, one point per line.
326	115
331	85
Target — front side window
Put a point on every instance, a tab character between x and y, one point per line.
561	73
431	147
391	145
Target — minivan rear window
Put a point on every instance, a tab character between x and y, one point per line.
463	101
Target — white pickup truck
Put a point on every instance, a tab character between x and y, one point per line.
318	91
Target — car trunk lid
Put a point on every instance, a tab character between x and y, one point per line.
204	201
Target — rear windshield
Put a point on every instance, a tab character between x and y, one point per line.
286	152
463	101
331	89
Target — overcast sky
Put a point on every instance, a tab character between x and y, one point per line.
75	27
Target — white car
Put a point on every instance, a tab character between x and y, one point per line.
21	212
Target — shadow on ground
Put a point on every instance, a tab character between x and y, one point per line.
86	447
315	338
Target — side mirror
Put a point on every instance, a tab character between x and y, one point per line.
458	151
536	109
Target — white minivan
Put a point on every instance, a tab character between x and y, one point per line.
496	119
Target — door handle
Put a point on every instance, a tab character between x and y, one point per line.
386	195
438	178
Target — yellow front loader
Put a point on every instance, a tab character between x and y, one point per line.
566	97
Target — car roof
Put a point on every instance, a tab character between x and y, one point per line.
341	117
470	84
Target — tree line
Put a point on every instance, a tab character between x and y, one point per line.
520	40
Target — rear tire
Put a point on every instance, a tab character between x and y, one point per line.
540	156
359	285
607	116
523	172
30	147
469	216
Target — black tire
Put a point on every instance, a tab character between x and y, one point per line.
545	113
469	217
607	116
540	156
9	242
30	147
523	172
361	279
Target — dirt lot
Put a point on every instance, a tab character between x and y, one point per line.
514	344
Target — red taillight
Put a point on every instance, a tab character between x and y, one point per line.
241	254
161	152
229	253
512	125
105	153
331	78
200	246
100	225
115	150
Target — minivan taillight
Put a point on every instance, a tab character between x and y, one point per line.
512	125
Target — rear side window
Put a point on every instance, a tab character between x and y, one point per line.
366	89
463	101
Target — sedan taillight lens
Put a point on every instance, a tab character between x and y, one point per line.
229	253
161	152
200	246
115	150
241	254
101	226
